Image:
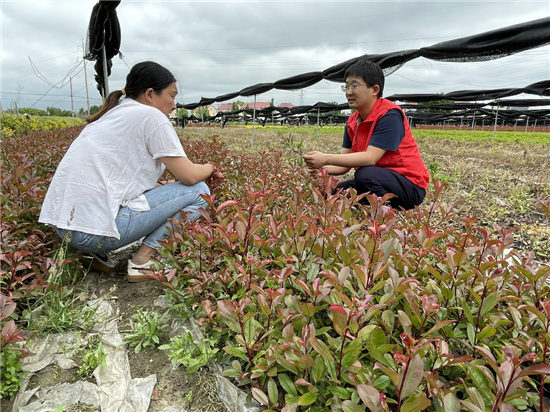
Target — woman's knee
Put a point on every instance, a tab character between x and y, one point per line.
202	189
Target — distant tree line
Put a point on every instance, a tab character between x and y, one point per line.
53	111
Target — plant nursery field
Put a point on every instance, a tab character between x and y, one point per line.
304	302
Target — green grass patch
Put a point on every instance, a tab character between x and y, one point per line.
484	136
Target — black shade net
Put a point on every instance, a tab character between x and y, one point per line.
480	47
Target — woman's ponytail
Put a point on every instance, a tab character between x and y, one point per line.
110	102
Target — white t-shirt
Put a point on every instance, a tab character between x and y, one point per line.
110	164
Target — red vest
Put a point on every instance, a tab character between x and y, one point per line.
406	160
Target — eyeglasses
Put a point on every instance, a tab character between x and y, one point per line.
353	86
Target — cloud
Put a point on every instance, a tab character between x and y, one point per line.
220	47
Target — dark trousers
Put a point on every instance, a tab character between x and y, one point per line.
377	180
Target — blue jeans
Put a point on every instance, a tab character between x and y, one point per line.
164	201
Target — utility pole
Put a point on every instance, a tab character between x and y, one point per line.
72	106
85	78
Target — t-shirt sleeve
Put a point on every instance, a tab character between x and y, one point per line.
164	142
389	131
346	144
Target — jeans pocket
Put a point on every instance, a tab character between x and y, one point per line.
80	240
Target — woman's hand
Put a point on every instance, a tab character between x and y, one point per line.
164	182
216	177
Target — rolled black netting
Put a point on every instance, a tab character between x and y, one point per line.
103	40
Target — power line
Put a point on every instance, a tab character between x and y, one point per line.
52	85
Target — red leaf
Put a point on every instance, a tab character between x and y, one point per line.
225	204
539	369
338	308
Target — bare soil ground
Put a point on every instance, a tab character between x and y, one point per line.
188	392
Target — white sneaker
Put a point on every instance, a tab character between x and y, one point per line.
140	273
137	273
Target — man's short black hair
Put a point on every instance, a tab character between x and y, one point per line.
368	70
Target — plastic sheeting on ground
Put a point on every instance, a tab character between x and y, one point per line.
115	390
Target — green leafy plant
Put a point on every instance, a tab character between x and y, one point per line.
27	246
436	173
183	350
13	349
290	144
92	358
11	372
320	302
61	305
17	125
146	330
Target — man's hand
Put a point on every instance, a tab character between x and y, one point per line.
315	160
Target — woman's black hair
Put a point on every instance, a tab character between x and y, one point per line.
142	76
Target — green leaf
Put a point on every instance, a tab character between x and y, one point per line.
344	255
467	311
236	351
415	405
250	330
306	361
372	334
349	359
439	325
260	396
338	391
272	391
471	407
480	380
308	309
370	397
331	369
487	332
451	403
489	303
317	372
471	333
414	374
287	384
321	348
405	322
350	406
516	316
339	322
388	320
307	399
476	397
536	312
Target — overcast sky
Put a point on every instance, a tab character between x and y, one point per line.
219	47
